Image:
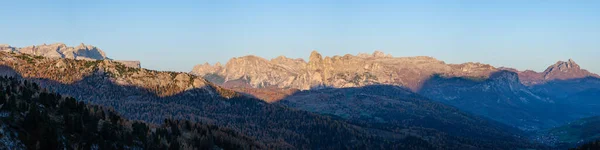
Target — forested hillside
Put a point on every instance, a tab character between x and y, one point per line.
153	96
572	134
33	118
393	108
588	146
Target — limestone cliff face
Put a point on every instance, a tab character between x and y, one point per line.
339	71
60	50
367	69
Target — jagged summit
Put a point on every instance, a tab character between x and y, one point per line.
561	70
378	54
338	71
70	71
563	66
315	57
565	70
61	50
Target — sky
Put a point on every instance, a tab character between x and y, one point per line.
176	35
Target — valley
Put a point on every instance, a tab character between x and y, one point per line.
416	103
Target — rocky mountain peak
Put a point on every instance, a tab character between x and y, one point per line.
379	54
58	44
6	48
563	66
72	71
248	61
206	68
315	57
61	50
565	70
561	70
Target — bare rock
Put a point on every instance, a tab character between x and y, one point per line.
61	50
337	71
561	70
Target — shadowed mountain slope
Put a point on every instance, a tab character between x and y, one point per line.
32	118
575	133
153	96
398	109
502	97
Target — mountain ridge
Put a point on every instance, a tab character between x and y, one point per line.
350	71
61	50
522	99
153	96
33	118
67	71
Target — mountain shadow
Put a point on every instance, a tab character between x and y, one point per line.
502	97
398	110
275	125
33	118
561	89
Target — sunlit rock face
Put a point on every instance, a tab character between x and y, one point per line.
338	71
61	50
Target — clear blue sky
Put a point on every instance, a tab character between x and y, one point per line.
176	35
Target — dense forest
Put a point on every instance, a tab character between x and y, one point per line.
395	108
141	94
588	146
33	118
274	125
277	126
572	134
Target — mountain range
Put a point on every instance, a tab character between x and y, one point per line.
527	99
367	101
365	69
61	50
154	96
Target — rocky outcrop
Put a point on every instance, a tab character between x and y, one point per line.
61	50
6	48
561	70
70	71
565	70
338	71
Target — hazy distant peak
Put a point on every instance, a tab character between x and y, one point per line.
58	44
61	50
218	64
380	54
563	66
